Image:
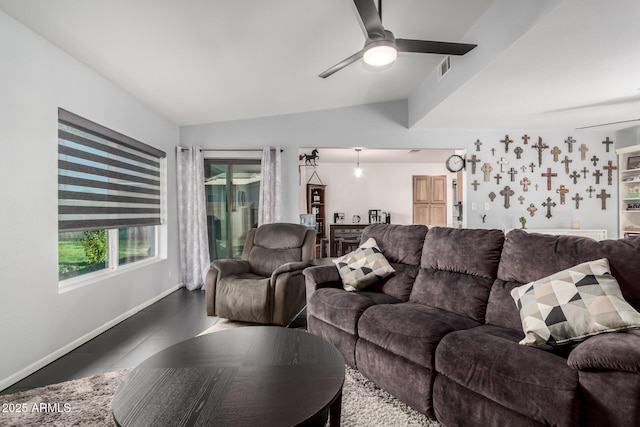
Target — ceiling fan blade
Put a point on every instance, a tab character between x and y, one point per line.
342	64
370	18
425	46
607	124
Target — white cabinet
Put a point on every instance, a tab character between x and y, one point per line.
629	190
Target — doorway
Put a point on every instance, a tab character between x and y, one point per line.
232	190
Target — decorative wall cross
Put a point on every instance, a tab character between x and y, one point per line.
477	144
521	200
549	204
473	160
584	171
570	141
506	141
591	190
498	177
562	191
502	162
540	146
513	174
507	192
493	151
574	175
597	174
549	175
583	151
475	184
566	162
518	151
577	199
525	139
532	209
603	196
555	153
595	159
532	166
523	168
607	142
525	183
610	168
486	169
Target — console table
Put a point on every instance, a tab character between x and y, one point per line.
339	233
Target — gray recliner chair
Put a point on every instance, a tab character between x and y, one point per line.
266	284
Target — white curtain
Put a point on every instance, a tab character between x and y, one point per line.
192	217
270	186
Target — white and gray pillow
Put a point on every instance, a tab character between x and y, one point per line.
363	267
572	305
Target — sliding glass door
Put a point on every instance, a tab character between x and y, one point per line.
232	188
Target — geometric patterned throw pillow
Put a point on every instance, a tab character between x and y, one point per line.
363	266
572	305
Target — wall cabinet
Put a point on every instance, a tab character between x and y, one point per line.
430	200
629	191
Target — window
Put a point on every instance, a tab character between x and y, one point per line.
232	189
110	192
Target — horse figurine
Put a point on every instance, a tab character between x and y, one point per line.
310	159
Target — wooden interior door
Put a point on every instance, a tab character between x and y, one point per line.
430	200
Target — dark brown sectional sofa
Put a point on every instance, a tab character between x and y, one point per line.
442	333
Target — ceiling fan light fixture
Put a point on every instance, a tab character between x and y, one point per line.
379	53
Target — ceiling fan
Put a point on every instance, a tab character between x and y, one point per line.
381	47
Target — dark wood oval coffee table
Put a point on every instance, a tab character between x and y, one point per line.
249	376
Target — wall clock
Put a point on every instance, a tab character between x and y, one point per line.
455	163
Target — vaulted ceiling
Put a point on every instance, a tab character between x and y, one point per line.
540	64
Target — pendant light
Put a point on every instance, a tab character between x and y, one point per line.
358	171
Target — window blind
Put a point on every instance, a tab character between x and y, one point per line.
105	179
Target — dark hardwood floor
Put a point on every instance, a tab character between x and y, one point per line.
178	316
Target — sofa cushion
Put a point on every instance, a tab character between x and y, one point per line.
572	305
399	243
402	247
457	269
527	257
488	361
342	309
243	297
410	330
363	267
501	311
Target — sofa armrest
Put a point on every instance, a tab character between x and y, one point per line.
289	267
322	276
617	351
231	267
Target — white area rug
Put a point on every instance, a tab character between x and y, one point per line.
87	401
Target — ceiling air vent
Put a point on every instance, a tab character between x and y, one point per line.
444	67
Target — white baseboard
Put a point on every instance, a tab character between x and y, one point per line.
23	373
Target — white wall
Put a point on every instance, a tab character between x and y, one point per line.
384	126
384	186
589	213
37	321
